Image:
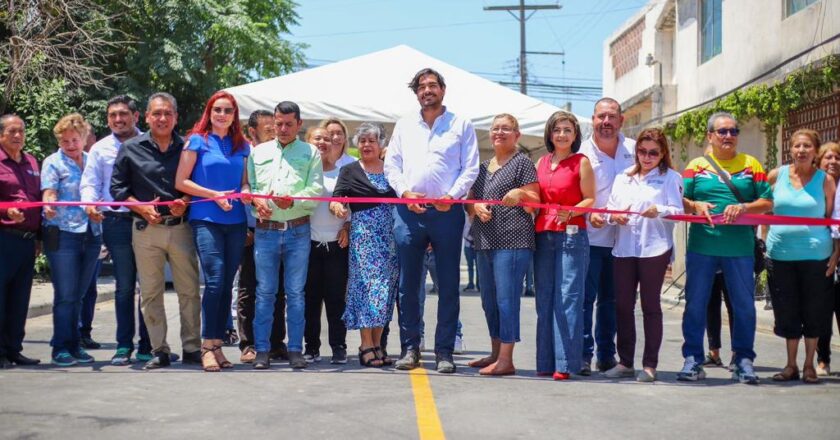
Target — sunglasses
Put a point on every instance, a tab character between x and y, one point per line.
653	154
724	131
225	110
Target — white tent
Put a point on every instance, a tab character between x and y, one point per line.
374	87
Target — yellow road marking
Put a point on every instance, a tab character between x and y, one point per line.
428	422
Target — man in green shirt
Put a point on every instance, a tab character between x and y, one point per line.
282	168
723	247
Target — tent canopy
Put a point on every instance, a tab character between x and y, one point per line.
374	87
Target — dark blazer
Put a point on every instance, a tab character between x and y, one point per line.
353	182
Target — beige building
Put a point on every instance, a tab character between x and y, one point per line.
677	55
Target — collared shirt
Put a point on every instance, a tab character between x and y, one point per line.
646	237
293	170
63	175
96	178
436	161
20	182
141	170
605	169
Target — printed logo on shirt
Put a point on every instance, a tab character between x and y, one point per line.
33	173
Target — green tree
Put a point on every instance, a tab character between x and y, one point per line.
191	48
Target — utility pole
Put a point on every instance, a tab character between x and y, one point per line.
523	69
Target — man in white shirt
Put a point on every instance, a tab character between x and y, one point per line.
122	116
610	153
432	155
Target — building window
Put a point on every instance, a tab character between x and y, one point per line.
794	6
710	29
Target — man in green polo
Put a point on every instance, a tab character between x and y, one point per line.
282	168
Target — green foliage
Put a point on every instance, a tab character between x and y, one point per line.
41	106
42	266
769	103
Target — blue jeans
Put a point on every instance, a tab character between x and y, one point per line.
560	269
89	304
116	233
529	275
503	271
271	247
219	248
17	267
413	233
740	283
600	287
71	269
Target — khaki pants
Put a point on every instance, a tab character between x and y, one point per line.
153	247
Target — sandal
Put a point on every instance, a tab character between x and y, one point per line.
712	360
382	356
787	374
372	361
208	360
809	375
220	357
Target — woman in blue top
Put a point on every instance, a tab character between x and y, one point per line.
213	165
71	243
802	258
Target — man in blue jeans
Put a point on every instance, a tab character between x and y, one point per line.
610	153
433	154
122	117
282	168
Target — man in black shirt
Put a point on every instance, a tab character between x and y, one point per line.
145	171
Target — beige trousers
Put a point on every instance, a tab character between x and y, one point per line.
153	247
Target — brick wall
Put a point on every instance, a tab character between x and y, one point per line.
624	51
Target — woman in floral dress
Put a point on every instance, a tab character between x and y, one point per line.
372	287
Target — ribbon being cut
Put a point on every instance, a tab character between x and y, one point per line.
745	219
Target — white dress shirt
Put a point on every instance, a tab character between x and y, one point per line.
646	237
324	226
96	178
605	169
437	161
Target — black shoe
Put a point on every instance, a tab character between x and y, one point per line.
191	357
231	338
444	364
5	363
88	343
296	360
262	362
339	356
19	359
605	365
409	361
161	360
280	353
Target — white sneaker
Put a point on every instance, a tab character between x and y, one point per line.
619	371
422	343
459	345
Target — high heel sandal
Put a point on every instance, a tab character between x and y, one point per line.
369	362
208	360
220	357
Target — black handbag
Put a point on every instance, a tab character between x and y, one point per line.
760	249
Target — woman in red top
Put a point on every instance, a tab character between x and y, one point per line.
566	179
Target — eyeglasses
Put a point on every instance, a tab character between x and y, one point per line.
653	154
734	132
225	110
502	130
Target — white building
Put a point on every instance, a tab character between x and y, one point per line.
705	49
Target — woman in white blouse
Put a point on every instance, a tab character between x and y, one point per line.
643	248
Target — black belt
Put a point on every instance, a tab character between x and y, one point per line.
165	221
26	235
117	214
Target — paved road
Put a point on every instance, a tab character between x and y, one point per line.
103	401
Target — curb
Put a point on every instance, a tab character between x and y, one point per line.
105	292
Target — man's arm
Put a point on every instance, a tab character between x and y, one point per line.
314	184
394	163
91	178
469	163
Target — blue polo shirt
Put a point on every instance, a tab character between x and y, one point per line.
219	168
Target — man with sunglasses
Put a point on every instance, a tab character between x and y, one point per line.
729	183
610	153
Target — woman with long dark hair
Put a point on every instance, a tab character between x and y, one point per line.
213	165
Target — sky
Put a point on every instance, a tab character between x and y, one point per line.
461	33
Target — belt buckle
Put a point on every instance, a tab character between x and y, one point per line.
284	227
28	235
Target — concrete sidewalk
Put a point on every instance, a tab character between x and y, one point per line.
41	300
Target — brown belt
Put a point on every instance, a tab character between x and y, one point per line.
282	226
